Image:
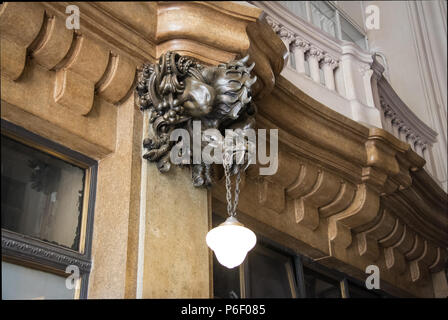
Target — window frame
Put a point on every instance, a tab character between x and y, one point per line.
339	12
299	261
31	252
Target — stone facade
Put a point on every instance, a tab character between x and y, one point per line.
344	194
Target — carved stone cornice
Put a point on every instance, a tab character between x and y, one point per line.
346	195
80	61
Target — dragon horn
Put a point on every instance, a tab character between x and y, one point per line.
244	60
249	69
251	81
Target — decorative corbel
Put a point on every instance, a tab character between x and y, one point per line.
177	90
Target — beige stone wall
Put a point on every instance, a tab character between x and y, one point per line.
176	260
118	192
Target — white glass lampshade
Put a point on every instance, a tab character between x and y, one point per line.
231	242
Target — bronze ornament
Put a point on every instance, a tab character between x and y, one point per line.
178	90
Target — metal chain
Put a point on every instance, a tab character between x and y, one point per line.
228	188
237	190
227	163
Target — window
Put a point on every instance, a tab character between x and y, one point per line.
20	282
298	8
350	33
323	16
273	271
318	285
269	274
46	216
327	17
356	291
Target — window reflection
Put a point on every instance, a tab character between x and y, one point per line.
319	286
42	196
226	282
324	17
361	292
296	7
350	33
328	19
272	271
270	274
21	283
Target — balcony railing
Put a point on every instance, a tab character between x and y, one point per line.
338	74
399	120
335	72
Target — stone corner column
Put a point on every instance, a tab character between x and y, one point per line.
176	259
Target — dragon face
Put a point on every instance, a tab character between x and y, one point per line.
177	90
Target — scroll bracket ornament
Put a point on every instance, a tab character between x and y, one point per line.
177	91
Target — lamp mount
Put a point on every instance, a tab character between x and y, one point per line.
177	90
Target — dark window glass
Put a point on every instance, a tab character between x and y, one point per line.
226	282
319	286
360	292
42	196
270	274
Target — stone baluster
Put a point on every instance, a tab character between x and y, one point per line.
387	125
396	124
427	155
389	115
274	24
285	35
328	64
314	55
411	139
419	146
403	133
299	48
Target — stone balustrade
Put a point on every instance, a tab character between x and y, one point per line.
303	52
345	78
398	119
314	56
330	70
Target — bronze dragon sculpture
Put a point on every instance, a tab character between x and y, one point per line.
177	90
